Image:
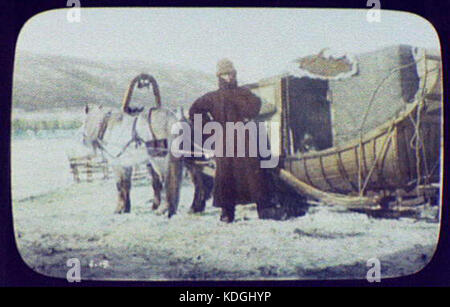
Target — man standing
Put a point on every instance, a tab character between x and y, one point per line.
238	180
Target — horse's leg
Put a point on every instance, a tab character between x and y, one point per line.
156	185
199	201
208	186
123	185
173	183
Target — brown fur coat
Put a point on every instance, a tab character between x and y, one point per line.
238	180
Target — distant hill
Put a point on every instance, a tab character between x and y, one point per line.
55	82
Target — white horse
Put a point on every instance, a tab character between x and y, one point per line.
129	137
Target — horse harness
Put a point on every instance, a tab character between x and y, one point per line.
155	147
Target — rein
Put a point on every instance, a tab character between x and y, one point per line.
135	138
152	146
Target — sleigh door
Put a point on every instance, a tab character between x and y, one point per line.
271	93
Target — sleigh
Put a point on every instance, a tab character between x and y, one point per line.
371	142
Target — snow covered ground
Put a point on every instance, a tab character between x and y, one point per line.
56	219
39	163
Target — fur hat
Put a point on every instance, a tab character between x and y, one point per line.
225	66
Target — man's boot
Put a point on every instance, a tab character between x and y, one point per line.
272	212
227	215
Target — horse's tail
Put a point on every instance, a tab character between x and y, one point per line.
143	80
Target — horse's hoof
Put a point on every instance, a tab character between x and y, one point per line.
161	210
195	211
155	206
226	219
122	210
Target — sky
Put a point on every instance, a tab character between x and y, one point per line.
261	42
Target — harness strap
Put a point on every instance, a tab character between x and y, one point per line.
104	125
152	132
134	137
155	147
